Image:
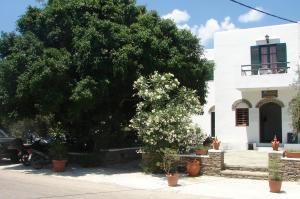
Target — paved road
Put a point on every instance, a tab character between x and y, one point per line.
17	181
15	185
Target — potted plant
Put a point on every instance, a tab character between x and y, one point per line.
292	154
201	149
193	167
58	149
275	143
169	163
275	175
216	143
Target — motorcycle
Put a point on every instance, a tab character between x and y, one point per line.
39	156
23	151
35	153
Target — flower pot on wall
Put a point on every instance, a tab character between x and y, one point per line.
216	144
193	168
59	165
292	154
275	143
172	179
201	152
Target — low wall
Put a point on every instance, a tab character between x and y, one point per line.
290	167
104	157
211	164
115	156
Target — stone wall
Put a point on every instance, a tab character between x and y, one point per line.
122	155
290	167
104	157
210	164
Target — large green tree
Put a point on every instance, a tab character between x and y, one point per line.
78	59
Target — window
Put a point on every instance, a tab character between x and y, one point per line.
242	117
270	58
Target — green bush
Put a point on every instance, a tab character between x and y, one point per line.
163	116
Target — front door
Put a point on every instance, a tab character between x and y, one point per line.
270	122
212	123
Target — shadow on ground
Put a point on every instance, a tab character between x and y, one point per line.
73	170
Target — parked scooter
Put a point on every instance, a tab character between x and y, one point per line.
35	152
40	152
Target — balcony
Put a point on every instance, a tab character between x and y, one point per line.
264	69
264	76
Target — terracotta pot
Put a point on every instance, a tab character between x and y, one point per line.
59	165
201	152
275	186
216	144
292	154
172	179
275	144
193	168
275	147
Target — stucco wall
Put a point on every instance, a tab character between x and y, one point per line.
231	50
203	121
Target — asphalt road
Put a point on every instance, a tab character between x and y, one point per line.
16	185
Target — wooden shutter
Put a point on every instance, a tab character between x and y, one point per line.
281	54
242	117
255	59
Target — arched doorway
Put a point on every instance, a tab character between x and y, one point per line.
270	122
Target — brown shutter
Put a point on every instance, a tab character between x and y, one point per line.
242	117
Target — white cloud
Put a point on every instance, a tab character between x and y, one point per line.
207	31
178	16
227	24
204	32
251	16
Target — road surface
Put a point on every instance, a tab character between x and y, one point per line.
17	185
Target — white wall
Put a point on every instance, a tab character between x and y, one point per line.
203	121
209	54
231	50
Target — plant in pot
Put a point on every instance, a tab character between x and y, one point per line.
275	175
216	143
275	143
58	149
201	149
193	167
170	159
292	154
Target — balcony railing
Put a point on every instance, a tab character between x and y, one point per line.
264	69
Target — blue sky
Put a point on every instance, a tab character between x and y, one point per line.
202	17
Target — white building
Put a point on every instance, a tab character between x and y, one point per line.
254	72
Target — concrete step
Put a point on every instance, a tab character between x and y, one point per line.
246	168
269	148
257	175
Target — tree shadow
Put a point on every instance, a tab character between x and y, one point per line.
74	170
5	161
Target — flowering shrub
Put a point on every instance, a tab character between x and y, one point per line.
163	116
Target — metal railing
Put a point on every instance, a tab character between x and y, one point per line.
264	69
